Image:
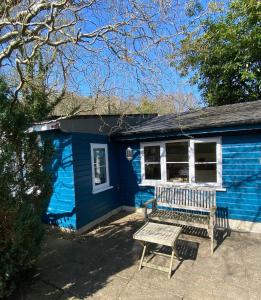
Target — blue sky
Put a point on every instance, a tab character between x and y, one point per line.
125	80
121	78
99	69
125	85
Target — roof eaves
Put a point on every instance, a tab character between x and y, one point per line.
185	128
44	126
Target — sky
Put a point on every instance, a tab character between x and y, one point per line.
118	78
125	80
141	70
124	84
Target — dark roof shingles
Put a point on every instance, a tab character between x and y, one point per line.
226	115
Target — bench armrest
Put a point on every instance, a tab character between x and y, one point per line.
213	211
149	202
146	204
212	217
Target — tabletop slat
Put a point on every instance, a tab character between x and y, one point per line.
158	233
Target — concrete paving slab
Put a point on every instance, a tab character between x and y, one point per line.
103	264
137	291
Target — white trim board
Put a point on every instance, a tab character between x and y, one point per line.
45	126
133	209
244	226
99	220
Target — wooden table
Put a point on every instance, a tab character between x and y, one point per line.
161	234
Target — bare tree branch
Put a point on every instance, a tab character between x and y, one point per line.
85	33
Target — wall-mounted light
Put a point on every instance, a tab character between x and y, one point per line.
129	153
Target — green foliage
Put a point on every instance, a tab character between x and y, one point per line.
146	106
21	235
224	58
25	184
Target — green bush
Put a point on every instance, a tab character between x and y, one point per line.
25	184
21	234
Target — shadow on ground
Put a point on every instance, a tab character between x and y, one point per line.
103	264
73	265
82	265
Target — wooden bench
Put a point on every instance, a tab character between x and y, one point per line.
193	207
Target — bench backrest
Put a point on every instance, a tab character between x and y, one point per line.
198	199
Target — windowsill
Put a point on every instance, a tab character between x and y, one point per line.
102	189
214	187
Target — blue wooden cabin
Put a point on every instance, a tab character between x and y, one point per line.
101	167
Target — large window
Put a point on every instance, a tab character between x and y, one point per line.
100	172
194	161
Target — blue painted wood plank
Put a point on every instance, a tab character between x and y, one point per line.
241	155
61	207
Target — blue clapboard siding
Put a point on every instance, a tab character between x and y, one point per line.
131	194
241	156
91	206
61	206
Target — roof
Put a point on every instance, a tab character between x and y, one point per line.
94	124
220	116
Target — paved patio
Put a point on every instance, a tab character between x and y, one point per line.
103	264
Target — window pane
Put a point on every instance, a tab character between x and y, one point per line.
100	174
152	171
99	156
99	166
177	152
206	173
152	153
205	152
178	172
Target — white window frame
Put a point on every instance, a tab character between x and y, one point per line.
104	186
191	152
162	159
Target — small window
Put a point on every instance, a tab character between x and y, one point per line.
100	172
177	162
152	162
205	162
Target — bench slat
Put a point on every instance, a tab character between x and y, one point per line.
195	198
191	208
185	206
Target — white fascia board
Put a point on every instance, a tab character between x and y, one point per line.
44	127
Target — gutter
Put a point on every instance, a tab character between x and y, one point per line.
181	133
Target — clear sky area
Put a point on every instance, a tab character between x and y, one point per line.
135	59
152	75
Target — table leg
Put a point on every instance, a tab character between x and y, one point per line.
143	254
171	262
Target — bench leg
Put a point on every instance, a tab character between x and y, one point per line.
212	243
142	256
211	235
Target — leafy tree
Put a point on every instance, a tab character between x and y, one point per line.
225	56
146	106
24	183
